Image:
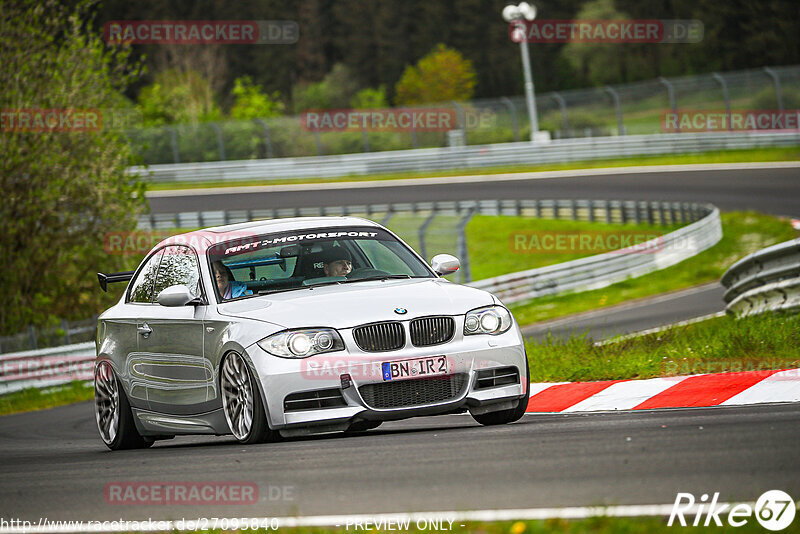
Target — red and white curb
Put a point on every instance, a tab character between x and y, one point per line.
721	389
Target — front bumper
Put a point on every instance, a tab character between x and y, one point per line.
466	356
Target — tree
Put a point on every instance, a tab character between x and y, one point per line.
334	92
178	97
252	103
63	190
441	76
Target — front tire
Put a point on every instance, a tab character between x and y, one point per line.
113	412
241	402
503	417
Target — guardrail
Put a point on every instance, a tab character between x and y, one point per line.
767	280
469	157
605	269
45	367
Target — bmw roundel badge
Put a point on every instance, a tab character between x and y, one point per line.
400	311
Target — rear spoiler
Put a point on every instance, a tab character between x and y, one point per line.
105	279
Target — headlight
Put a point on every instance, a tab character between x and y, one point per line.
302	343
490	320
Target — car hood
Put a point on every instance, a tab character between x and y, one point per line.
348	305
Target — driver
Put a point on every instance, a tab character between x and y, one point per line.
337	262
228	288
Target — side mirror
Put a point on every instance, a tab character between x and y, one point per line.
444	264
174	296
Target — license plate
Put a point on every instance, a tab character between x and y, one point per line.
420	367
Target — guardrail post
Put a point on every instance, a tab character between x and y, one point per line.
673	103
421	233
615	97
463	251
662	218
389	213
318	142
725	97
32	337
513	112
462	125
591	210
267	137
684	213
623	213
220	143
173	136
538	208
650	217
365	138
562	104
574	208
774	75
607	207
65	327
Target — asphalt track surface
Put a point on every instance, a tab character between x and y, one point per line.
635	316
53	464
769	190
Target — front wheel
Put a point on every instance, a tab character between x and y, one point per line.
503	417
242	404
113	412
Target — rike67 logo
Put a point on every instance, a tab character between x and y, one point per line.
774	510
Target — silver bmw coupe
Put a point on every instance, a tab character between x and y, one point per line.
290	327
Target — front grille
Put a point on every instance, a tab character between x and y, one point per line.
492	378
432	331
313	400
380	337
413	392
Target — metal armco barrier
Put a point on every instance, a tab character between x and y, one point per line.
605	269
46	367
767	280
469	157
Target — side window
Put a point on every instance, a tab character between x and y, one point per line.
142	286
178	266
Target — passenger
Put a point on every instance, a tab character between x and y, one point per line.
337	262
227	286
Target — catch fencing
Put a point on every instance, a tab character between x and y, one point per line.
614	110
767	280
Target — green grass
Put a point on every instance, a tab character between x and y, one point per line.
722	344
31	399
743	233
725	156
494	250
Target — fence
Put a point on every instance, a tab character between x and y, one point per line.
629	109
765	280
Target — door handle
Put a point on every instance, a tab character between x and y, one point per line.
144	330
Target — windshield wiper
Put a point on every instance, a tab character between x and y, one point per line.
380	277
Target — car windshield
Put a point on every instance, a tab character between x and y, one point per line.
298	259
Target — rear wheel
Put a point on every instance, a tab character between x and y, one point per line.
242	404
113	412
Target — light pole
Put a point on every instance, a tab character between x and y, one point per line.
517	15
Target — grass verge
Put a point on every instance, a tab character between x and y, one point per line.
724	156
722	344
743	233
31	399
